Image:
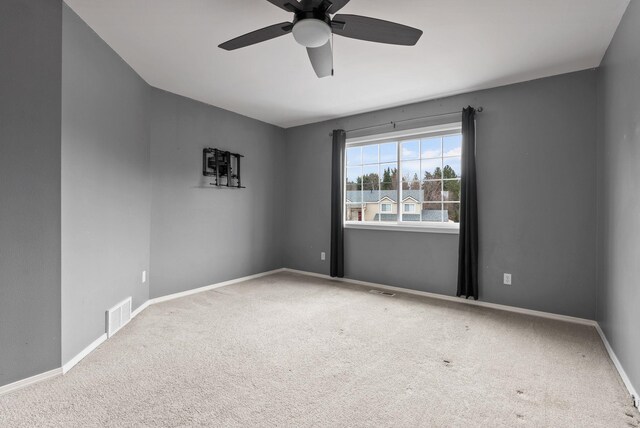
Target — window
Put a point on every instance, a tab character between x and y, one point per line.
417	170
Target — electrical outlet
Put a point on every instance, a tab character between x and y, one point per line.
323	256
507	279
144	276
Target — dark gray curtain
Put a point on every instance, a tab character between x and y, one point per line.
468	249
337	198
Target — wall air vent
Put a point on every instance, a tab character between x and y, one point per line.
118	316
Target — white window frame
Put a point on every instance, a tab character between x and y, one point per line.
408	205
386	204
399	137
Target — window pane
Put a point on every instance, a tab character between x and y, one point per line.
409	208
389	217
370	201
452	167
353	194
451	191
388	176
370	194
452	145
353	187
410	149
354	156
410	170
370	177
411	189
418	181
431	148
389	196
354	175
412	216
432	190
389	152
370	154
354	212
431	169
432	213
370	209
411	200
452	212
387	213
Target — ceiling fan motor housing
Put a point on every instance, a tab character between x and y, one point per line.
312	29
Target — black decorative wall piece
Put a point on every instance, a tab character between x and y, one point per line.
224	166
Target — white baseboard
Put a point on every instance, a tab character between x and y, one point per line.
75	360
86	351
211	287
454	299
627	382
139	309
616	363
52	373
30	381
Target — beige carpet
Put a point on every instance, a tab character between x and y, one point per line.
289	350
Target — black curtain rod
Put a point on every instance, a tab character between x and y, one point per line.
394	123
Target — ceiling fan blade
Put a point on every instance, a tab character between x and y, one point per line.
375	30
288	5
336	5
258	36
322	59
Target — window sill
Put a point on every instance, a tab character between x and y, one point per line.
452	230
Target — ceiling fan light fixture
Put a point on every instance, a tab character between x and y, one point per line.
311	33
314	24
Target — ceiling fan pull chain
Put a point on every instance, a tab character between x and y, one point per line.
333	54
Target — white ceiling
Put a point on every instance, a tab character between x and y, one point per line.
467	45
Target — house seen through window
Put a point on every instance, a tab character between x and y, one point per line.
412	180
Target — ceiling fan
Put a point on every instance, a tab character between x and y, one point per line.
313	26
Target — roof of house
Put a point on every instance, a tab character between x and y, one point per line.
374	196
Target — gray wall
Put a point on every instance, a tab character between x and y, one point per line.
202	235
618	196
536	182
106	186
30	43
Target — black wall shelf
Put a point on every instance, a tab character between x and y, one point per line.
224	166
